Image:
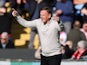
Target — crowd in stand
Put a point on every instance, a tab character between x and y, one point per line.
72	13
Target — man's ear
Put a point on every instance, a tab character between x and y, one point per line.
49	15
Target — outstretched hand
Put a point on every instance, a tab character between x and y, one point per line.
14	13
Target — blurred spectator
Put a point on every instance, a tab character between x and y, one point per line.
5	42
64	14
75	34
32	7
81	50
51	3
84	29
22	6
78	6
67	50
39	4
84	12
5	17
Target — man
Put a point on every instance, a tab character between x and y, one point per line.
75	35
5	17
5	42
81	50
84	29
48	32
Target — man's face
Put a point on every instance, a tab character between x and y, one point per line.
85	27
45	16
4	40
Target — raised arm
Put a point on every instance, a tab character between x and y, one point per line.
61	26
22	21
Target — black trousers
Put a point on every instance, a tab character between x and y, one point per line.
51	60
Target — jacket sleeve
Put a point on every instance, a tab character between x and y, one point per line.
26	23
61	25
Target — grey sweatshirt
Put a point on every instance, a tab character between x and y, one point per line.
48	34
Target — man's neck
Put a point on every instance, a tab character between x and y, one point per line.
46	21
